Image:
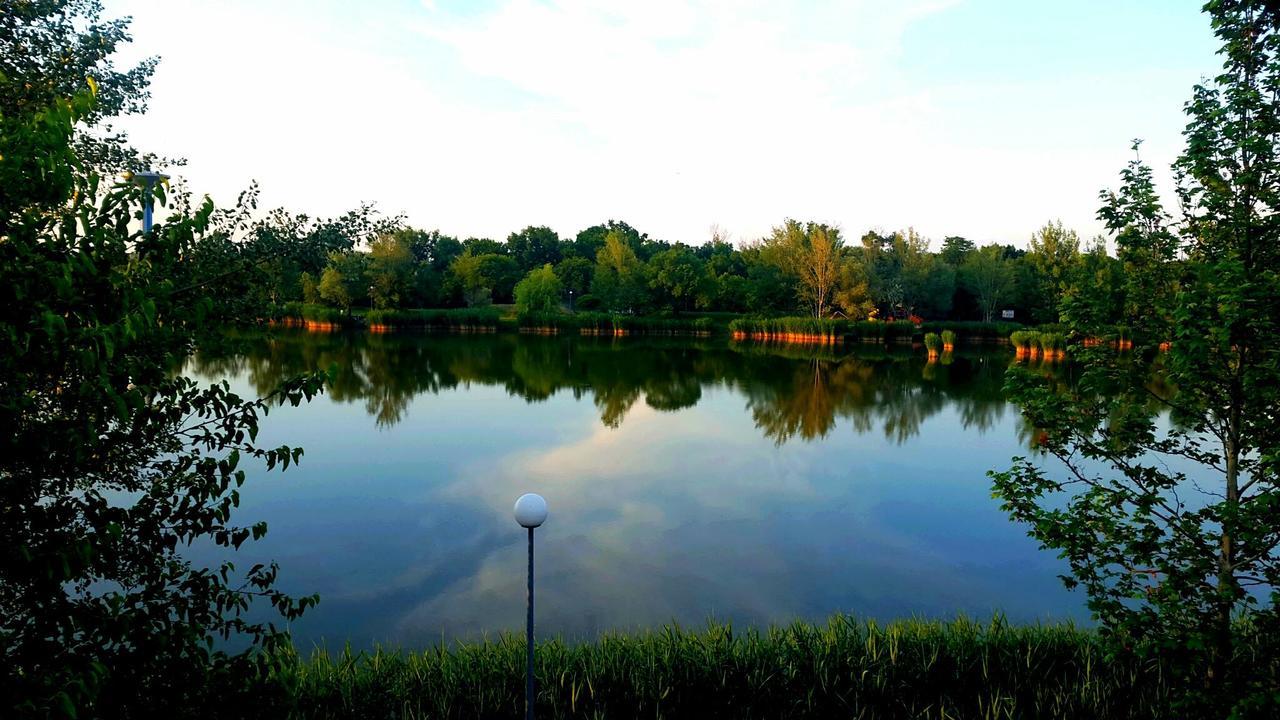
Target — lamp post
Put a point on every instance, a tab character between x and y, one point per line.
148	180
570	299
530	511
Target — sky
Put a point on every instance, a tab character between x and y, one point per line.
980	118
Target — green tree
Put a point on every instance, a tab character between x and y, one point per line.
501	272
539	291
310	288
619	280
1096	293
678	278
955	250
810	253
588	243
534	247
391	270
112	463
987	276
466	272
575	274
1170	525
48	48
854	294
333	288
484	246
1054	257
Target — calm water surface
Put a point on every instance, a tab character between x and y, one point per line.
687	480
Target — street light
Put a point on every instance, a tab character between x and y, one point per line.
570	299
530	511
148	181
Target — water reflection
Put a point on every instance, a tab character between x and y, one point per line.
687	479
791	392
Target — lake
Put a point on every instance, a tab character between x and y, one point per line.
687	480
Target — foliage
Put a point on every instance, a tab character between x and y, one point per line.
678	279
986	274
933	341
949	338
534	247
811	254
1021	339
333	288
468	274
845	668
1053	256
112	462
799	266
619	279
539	291
310	289
390	270
48	48
1166	512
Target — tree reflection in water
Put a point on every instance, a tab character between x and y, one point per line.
791	391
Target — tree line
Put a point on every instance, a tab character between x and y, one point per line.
799	268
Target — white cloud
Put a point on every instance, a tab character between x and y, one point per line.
672	115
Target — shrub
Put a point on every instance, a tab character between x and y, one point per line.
948	338
1021	339
933	341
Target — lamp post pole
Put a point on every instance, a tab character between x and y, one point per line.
528	641
530	512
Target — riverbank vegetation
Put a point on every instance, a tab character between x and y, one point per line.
843	668
111	464
799	269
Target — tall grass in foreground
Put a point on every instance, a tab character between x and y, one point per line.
845	668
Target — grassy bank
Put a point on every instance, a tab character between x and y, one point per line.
459	319
845	668
808	329
595	323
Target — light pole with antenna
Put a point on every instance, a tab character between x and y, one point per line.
148	180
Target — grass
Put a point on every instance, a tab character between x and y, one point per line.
973	331
610	324
949	338
455	319
845	668
933	341
807	328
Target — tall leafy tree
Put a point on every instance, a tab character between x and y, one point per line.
390	270
1169	510
619	280
678	278
1053	258
48	48
811	253
534	247
986	274
955	250
539	291
112	463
